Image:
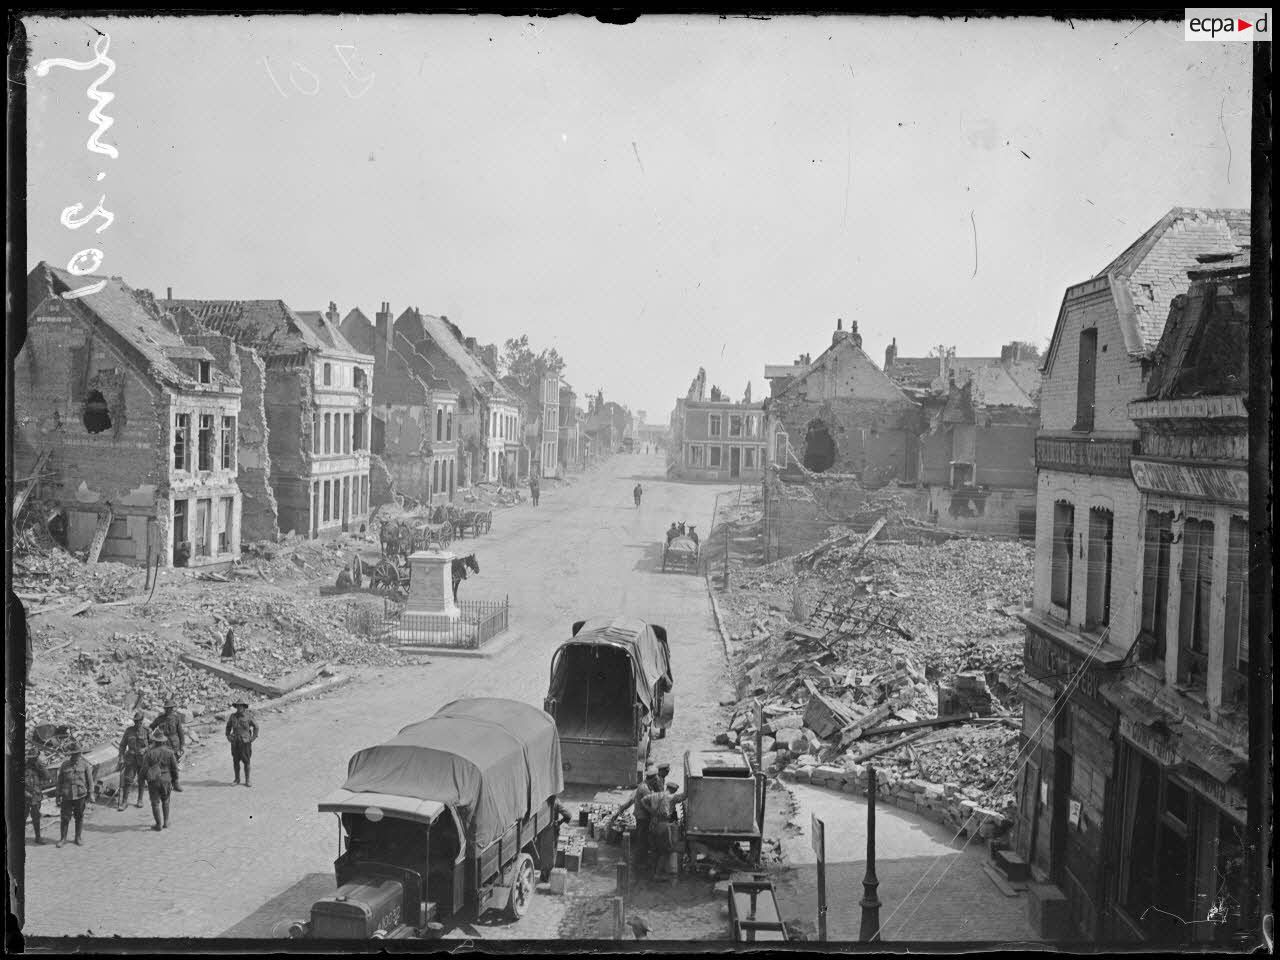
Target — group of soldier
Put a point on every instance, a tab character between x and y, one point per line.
148	755
654	805
679	530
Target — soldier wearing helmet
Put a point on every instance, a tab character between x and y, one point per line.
170	724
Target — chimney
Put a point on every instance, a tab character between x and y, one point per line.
890	354
332	314
840	334
168	293
490	354
854	335
471	344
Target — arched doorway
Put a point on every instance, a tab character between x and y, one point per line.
819	447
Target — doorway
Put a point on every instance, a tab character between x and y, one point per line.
735	462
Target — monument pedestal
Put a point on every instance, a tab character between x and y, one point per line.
431	617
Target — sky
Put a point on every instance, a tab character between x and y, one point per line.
648	199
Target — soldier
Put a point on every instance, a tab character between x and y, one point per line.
132	746
660	804
641	836
170	724
161	765
672	531
34	777
242	730
534	488
75	787
638	492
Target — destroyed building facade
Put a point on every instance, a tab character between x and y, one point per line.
317	396
717	439
1129	804
406	397
128	429
485	412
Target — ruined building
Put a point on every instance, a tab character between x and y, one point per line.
1130	807
129	428
714	438
317	395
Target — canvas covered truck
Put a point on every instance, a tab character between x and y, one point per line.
610	694
452	817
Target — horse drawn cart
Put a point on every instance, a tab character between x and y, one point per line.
681	553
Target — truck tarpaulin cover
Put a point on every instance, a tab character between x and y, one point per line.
647	653
492	760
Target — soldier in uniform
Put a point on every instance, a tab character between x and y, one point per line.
34	777
242	730
641	837
170	724
660	804
161	766
75	787
132	746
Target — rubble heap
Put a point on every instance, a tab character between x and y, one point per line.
905	656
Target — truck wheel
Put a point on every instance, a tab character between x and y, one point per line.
521	888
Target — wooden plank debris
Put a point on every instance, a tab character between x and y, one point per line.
99	536
885	748
917	724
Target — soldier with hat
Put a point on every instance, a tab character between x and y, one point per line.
75	787
242	730
160	765
170	724
651	782
34	776
132	746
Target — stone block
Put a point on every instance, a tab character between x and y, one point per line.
916	785
850	787
559	881
905	804
572	860
1011	865
590	854
826	772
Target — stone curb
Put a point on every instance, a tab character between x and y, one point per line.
488	650
715	610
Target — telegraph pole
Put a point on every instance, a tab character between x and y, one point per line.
870	931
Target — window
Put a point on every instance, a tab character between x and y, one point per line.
453	470
439	423
179	522
204	371
346	433
448	424
435	476
324	447
696	456
1236	646
228	443
1086	379
713	425
1064	519
735	426
181	436
364	494
1098	584
1155	582
315	434
328	375
1196	586
205	442
224	535
325	515
358	441
748	458
713	456
203	544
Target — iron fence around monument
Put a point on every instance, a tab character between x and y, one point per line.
478	622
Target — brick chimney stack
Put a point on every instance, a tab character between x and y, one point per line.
854	335
168	293
332	314
890	354
840	334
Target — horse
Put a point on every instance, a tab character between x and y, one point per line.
460	567
693	535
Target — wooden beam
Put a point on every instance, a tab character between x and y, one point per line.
99	536
917	724
238	678
901	742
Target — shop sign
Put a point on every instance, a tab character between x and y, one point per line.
1084	455
1052	660
1228	798
1153	743
1197	481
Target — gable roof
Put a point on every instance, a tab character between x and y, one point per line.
846	344
136	323
328	333
268	326
447	336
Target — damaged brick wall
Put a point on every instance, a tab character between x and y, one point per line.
869	435
259	511
290	405
407	449
382	488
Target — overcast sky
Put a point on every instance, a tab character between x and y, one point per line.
647	199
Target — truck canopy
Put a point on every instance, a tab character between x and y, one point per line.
636	638
494	761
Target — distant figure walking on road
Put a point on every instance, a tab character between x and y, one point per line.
637	493
132	746
162	774
534	489
242	730
170	724
75	787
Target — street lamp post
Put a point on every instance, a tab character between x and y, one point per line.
870	931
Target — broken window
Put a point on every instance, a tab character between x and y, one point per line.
713	428
748	458
202	527
361	379
328	375
1196	587
713	456
181	433
325	515
97	417
179	529
224	535
1086	379
358	441
1155	583
735	426
205	446
228	443
819	447
1098	598
204	371
1064	519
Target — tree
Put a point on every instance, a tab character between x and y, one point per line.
528	368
